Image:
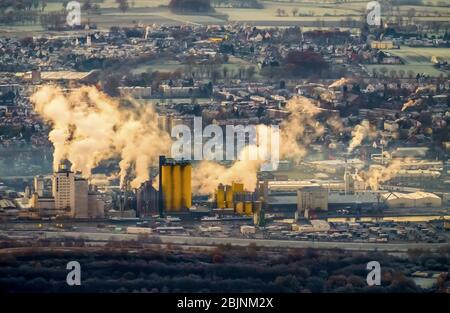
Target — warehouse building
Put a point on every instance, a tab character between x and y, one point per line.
312	198
412	200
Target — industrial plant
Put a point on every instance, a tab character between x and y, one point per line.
240	137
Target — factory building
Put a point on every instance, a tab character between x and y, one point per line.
312	198
412	200
235	199
80	205
70	197
43	206
283	196
410	152
353	182
146	199
39	185
63	188
175	185
335	167
96	206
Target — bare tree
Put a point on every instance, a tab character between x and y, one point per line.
393	73
411	13
123	5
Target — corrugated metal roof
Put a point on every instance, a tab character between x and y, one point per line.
5	203
412	196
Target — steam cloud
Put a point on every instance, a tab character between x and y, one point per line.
359	133
378	174
299	130
411	103
89	127
340	82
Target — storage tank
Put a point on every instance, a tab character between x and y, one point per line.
237	187
248	208
177	187
220	197
229	196
166	177
239	208
187	185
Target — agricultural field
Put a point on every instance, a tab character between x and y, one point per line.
57	5
417	60
135	3
277	12
305	13
327	11
413	55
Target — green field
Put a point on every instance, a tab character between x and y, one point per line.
417	60
307	11
413	55
326	13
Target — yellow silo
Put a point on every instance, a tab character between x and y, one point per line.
248	208
239	208
177	187
229	196
220	197
237	187
187	186
167	187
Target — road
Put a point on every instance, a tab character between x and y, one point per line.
202	241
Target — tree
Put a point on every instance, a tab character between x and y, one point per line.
374	72
304	63
225	72
294	11
87	5
289	283
393	73
190	6
383	71
250	72
123	5
111	84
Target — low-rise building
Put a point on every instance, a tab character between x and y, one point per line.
412	200
312	198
